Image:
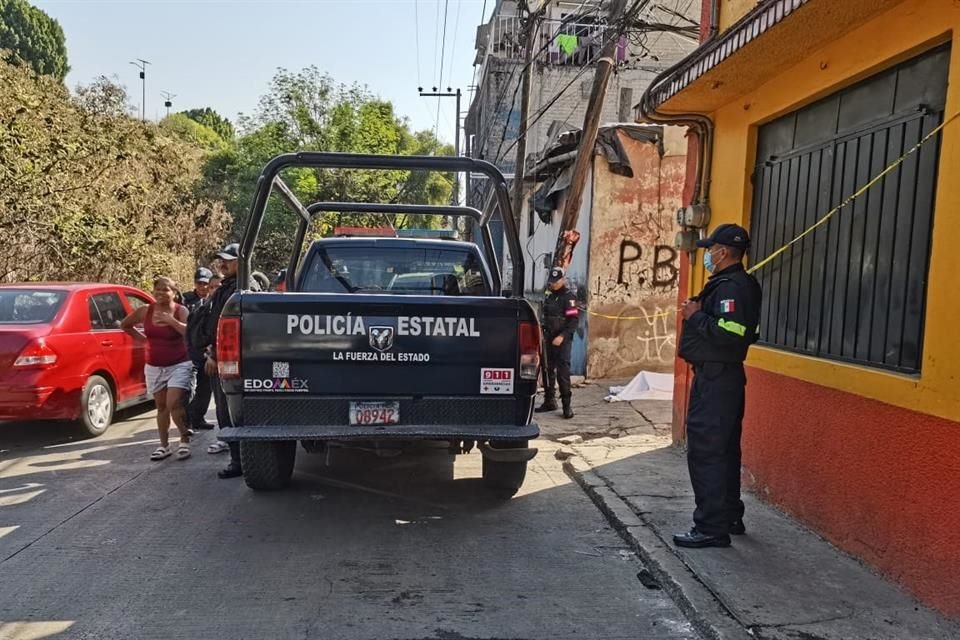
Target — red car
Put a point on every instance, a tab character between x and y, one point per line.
63	355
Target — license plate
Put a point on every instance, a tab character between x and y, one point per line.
371	413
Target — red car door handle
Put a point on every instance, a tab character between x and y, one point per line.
106	343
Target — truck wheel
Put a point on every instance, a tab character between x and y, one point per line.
504	479
268	466
97	406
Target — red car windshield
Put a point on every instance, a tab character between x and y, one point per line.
29	306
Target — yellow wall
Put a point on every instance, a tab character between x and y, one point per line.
733	10
905	30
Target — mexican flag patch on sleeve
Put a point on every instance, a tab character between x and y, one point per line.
728	306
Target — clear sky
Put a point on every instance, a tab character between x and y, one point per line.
222	54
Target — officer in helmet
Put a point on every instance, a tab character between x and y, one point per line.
561	317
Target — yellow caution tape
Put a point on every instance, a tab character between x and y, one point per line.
854	196
659	314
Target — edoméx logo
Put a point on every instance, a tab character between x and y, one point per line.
276	385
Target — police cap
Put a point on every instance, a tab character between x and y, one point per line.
728	235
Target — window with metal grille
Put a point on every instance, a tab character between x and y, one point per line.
855	289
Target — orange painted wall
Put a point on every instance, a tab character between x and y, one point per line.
879	481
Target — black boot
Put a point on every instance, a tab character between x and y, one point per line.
549	404
567	411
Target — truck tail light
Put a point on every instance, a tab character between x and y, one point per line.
529	350
36	355
228	347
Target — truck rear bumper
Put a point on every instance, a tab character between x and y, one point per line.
394	432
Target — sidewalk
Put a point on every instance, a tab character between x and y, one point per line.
780	581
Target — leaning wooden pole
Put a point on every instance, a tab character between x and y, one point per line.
568	236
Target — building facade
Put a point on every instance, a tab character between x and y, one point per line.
624	268
569	35
853	410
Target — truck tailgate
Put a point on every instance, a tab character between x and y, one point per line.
375	346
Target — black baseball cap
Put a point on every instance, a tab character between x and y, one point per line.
728	235
230	252
202	275
556	275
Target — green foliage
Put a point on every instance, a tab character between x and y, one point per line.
213	120
90	193
192	132
34	38
307	110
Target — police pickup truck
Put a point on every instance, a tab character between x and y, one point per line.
381	343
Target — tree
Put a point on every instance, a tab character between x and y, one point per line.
91	193
307	110
193	132
213	120
33	38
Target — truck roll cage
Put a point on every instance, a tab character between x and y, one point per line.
416	209
270	179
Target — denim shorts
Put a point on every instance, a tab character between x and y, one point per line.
177	376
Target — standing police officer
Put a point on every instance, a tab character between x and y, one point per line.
201	288
560	321
719	326
196	404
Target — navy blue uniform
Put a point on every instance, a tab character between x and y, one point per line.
217	302
561	317
715	341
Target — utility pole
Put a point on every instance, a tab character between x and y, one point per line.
527	81
168	100
142	65
450	93
568	236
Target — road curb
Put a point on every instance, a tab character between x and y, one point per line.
704	610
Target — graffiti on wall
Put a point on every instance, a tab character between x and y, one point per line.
634	269
662	272
638	270
628	336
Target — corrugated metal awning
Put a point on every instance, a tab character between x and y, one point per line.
767	14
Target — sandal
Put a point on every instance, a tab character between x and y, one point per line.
218	447
160	453
183	451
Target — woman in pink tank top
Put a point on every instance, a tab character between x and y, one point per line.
169	370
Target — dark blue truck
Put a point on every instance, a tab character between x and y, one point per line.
381	343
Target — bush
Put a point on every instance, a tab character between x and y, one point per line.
90	193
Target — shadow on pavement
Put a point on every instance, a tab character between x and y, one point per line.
41	433
781	581
358	547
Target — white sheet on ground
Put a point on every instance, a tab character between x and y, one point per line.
644	386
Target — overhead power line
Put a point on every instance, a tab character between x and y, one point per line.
416	20
522	69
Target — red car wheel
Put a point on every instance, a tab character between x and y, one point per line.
96	406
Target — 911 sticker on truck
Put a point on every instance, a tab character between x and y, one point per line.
496	381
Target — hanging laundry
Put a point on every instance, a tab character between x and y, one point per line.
566	42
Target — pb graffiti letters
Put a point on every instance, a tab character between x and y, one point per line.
663	274
664	268
626	244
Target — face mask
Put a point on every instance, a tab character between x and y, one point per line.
708	261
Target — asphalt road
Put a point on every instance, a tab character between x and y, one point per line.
96	541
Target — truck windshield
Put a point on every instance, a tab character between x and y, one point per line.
395	271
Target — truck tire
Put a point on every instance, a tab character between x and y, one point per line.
504	479
268	466
97	406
